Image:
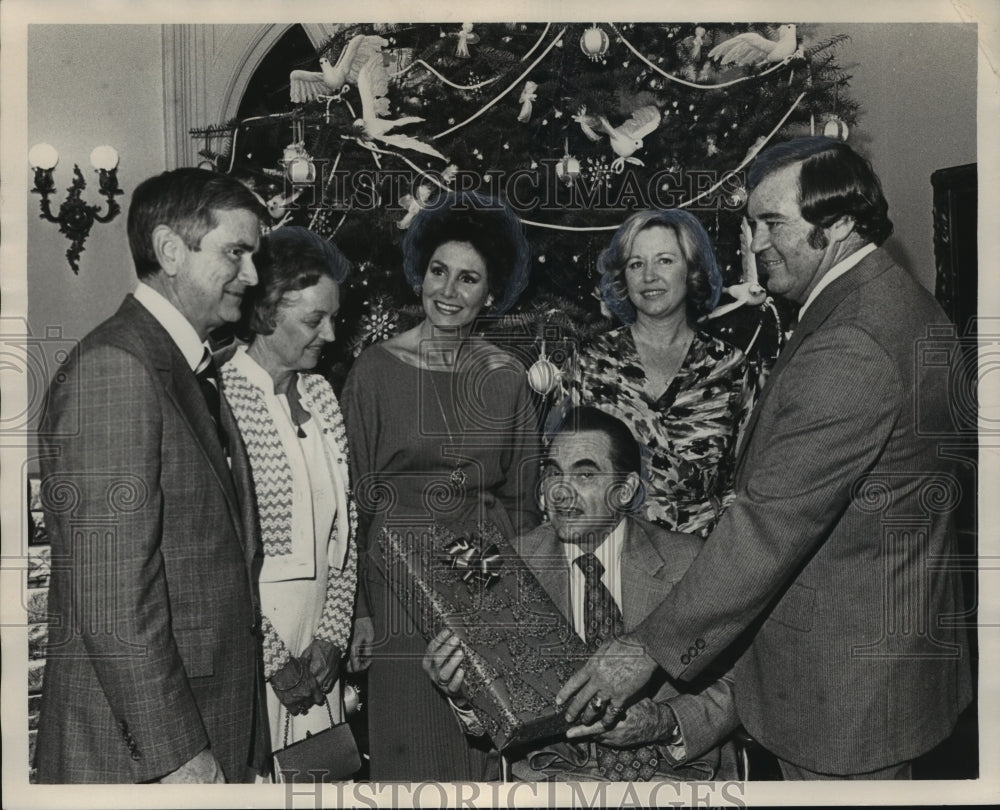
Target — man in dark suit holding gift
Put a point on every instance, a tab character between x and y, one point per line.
153	667
831	566
605	570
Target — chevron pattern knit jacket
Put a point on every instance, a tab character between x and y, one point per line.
273	485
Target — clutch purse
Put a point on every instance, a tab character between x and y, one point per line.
329	756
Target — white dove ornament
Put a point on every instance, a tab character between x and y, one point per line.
753	49
627	138
278	206
373	84
308	85
749	291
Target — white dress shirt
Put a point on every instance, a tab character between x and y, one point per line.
170	318
834	273
609	553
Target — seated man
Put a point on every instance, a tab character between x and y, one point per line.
606	569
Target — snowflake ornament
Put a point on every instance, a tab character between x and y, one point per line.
380	323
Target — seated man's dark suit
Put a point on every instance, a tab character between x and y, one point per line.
652	560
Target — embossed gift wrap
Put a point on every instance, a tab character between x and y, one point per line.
519	649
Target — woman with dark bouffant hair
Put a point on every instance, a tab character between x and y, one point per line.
682	392
442	428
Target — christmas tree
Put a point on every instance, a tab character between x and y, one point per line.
573	125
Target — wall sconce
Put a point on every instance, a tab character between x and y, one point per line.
76	217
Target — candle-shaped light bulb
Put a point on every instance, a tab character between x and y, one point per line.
43	156
104	157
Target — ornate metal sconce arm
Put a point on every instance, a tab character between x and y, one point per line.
76	217
108	186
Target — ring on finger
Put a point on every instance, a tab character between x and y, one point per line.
612	711
598	702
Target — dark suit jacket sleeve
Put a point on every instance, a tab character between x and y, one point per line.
111	467
706	710
836	404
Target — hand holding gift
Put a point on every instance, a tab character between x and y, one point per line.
643	723
498	645
616	672
443	663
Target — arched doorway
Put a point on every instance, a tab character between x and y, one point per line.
207	70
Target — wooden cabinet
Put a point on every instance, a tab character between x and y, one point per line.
955	245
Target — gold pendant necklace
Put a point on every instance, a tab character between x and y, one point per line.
457	478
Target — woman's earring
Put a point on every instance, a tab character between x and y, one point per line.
489	300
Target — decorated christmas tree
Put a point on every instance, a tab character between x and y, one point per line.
574	125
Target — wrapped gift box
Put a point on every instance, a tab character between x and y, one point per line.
519	649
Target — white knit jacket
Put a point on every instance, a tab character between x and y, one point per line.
273	485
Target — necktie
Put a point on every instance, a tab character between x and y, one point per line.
601	616
208	381
602	619
793	322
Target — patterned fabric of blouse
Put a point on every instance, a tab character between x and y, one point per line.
688	435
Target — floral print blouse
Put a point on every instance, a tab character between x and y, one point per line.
688	434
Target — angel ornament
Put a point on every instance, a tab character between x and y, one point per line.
627	138
465	39
307	85
527	98
414	204
696	43
689	51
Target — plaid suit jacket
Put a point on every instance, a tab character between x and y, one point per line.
153	648
830	566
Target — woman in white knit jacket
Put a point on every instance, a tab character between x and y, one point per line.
291	424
